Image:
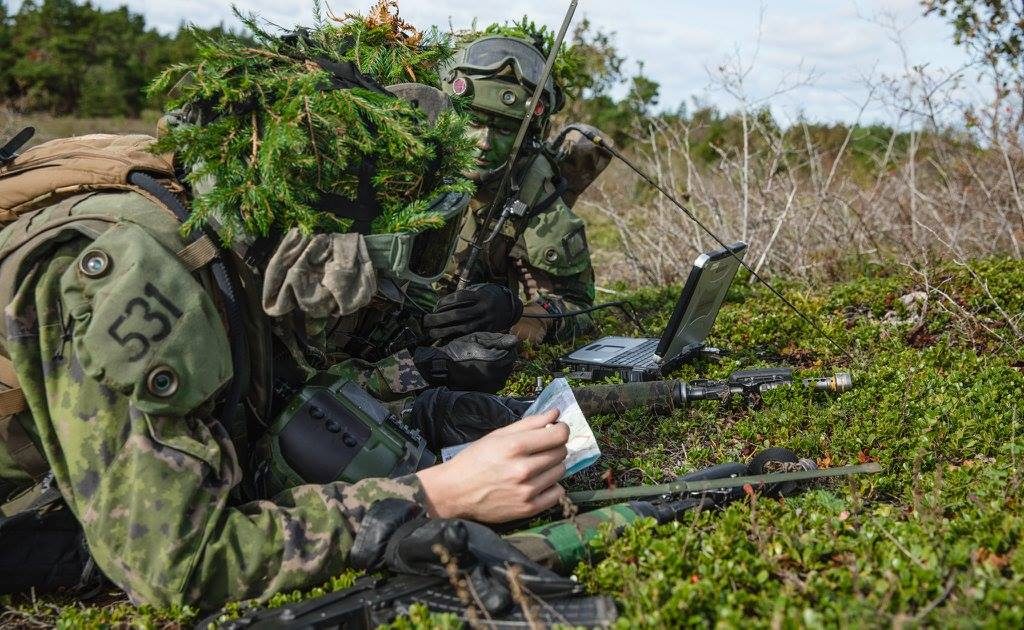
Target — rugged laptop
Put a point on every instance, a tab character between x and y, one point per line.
695	313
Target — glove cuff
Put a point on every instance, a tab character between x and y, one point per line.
432	363
377	527
517	306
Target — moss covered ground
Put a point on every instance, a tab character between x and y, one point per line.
934	540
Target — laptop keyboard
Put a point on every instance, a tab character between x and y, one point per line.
641	355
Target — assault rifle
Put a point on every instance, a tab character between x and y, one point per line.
560	545
373	601
665	396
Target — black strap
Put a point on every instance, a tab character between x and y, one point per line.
261	249
561	185
10	150
227	287
364	209
345	75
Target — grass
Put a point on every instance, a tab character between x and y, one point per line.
934	540
51	127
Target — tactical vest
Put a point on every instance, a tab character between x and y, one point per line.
549	236
43	196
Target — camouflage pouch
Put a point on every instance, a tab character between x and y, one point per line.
556	242
142	325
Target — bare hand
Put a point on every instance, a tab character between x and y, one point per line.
508	474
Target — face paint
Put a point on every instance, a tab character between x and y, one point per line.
494	142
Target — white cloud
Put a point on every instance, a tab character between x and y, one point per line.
676	39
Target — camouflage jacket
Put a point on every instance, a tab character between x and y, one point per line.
544	257
121	352
369	347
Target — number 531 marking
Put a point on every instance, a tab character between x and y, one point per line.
159	312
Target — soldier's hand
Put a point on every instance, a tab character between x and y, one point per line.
508	474
478	308
450	418
476	362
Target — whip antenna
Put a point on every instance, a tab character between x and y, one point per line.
599	141
515	207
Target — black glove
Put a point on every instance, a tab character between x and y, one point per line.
395	535
446	418
478	308
478	362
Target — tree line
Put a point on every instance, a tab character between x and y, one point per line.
68	58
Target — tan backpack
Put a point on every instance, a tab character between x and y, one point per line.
55	170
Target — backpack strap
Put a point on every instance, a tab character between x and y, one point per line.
39	496
226	284
20	446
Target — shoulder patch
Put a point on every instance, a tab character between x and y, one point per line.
556	241
143	325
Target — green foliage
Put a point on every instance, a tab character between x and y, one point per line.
235	610
420	617
71	614
992	29
601	62
381	44
6	51
276	139
63	57
105	94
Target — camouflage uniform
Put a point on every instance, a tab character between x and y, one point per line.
545	258
98	303
357	347
543	254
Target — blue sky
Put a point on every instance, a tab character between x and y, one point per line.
680	40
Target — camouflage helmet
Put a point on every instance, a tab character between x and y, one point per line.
499	75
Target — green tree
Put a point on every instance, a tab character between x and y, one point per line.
49	48
992	29
104	93
601	63
6	56
73	58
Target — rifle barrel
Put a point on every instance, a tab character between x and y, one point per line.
682	487
664	396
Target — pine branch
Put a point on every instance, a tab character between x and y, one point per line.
275	137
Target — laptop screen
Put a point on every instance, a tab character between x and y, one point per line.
702	297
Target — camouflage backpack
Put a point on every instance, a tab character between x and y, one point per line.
41	544
580	161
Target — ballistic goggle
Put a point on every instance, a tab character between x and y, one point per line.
421	257
494	55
